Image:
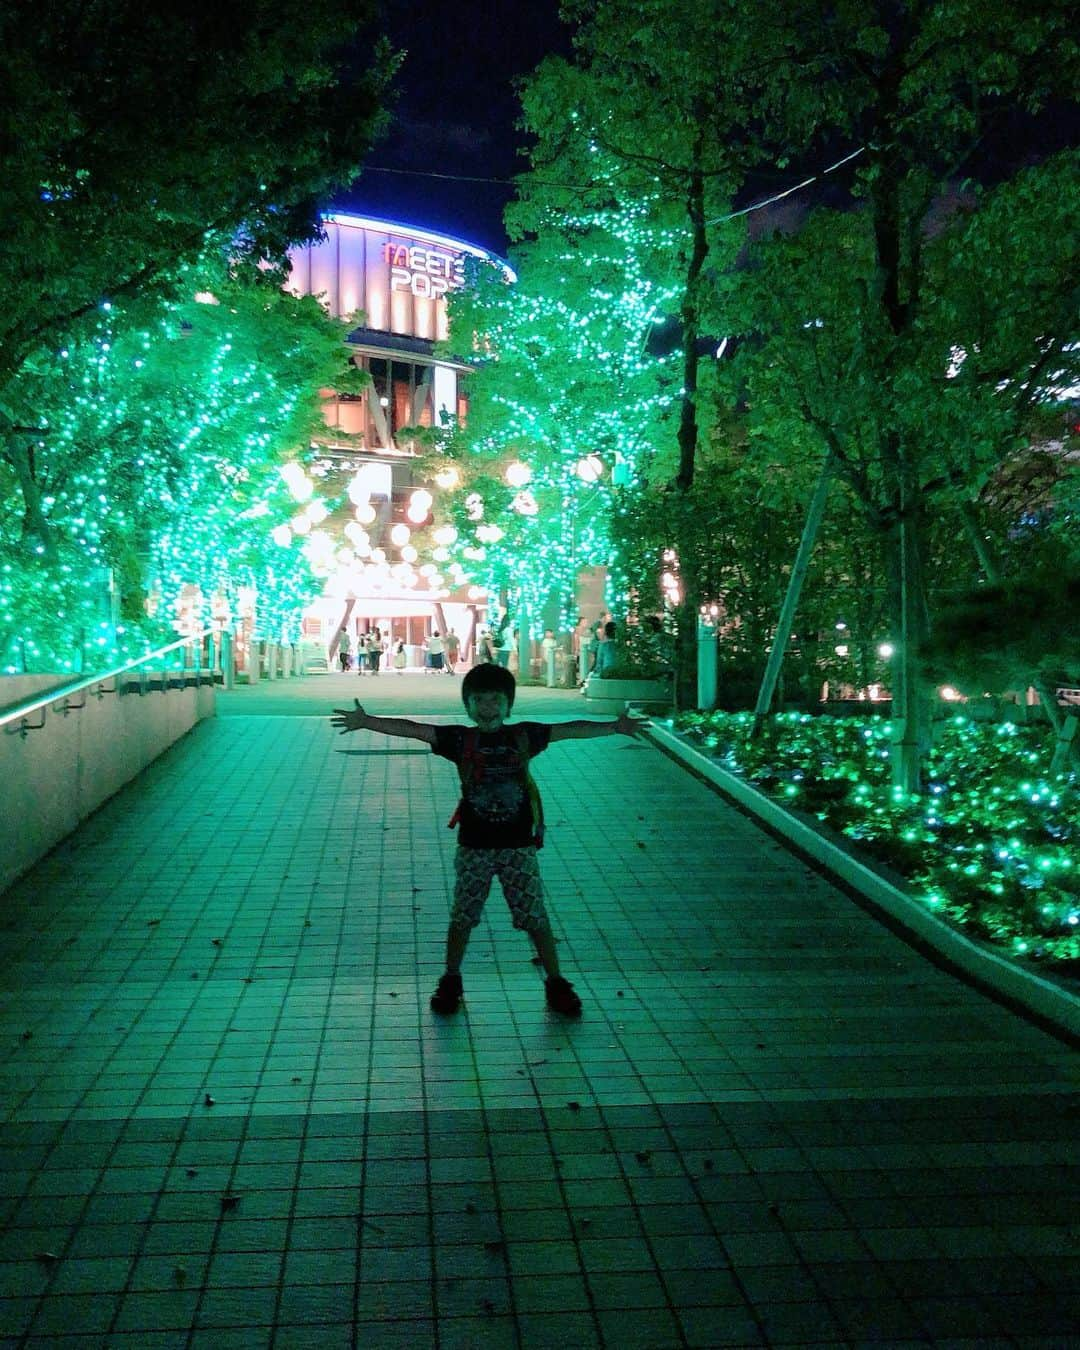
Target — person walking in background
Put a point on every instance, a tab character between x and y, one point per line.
436	649
548	648
485	652
344	649
500	817
375	647
453	650
500	642
401	658
605	650
592	646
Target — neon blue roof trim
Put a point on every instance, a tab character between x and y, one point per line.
418	232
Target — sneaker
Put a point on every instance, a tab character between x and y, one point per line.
560	996
447	995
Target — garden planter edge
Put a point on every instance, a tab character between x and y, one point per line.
993	972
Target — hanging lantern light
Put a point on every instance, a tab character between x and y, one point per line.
419	506
517	474
590	468
297	481
400	535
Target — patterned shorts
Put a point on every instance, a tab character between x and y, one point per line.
519	875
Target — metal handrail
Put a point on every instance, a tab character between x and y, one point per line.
28	706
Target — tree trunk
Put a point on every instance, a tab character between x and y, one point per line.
36	530
911	702
900	472
688	424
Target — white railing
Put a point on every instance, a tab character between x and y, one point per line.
191	671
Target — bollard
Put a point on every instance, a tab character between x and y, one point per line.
706	662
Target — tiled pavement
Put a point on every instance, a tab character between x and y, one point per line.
231	1121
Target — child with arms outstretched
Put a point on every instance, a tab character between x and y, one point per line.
500	817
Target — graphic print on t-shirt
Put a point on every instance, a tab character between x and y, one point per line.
496	809
495	792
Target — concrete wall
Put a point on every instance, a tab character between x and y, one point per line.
53	778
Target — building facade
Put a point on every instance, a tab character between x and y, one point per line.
393	279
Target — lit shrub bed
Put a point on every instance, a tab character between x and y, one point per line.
992	843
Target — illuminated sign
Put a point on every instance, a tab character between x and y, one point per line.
425	272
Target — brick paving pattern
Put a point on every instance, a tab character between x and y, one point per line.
230	1120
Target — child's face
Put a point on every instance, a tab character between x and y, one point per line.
489	709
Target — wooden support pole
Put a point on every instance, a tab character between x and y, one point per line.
814	516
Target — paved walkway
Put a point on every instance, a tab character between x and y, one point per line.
231	1121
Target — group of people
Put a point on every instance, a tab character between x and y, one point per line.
440	653
370	647
600	648
494	646
587	651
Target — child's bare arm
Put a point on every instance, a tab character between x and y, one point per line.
624	725
356	719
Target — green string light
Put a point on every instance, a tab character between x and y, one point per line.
991	846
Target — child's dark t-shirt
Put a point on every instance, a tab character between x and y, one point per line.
495	811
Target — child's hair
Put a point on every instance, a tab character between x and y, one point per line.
489	678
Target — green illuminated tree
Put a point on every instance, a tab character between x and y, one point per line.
640	115
565	386
136	138
884	330
158	467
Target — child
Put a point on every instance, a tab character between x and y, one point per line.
500	817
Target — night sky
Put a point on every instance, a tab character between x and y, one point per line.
456	113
